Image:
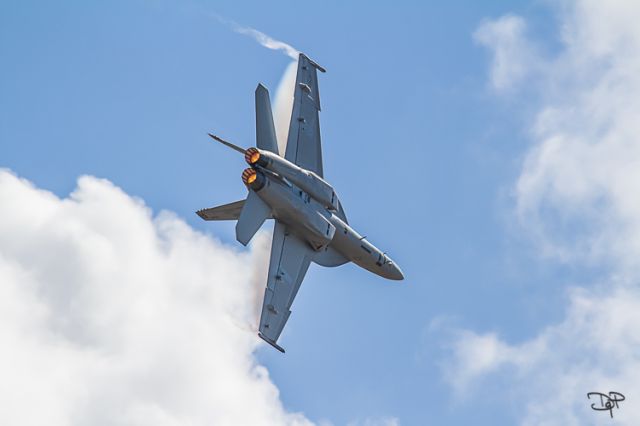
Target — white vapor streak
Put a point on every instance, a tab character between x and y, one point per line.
283	105
267	41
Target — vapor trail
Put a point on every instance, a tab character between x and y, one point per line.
267	41
262	38
283	105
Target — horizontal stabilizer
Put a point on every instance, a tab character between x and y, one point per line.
229	211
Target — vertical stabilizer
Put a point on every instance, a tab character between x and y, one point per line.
265	130
253	214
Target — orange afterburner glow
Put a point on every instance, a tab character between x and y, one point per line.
252	155
249	176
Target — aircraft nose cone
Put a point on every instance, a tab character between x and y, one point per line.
395	272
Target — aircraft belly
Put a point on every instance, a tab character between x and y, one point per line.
299	212
330	256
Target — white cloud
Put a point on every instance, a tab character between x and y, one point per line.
513	56
585	166
474	355
111	316
595	348
577	197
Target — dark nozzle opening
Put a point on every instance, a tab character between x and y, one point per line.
254	157
254	179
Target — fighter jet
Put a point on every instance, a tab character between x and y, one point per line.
310	222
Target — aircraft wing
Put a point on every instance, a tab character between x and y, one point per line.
290	258
303	142
229	211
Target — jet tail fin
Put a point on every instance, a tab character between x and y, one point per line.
265	130
253	214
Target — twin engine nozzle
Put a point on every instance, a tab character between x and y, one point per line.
252	177
306	180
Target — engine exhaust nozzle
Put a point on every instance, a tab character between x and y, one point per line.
252	156
253	179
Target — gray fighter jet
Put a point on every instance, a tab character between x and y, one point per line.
310	223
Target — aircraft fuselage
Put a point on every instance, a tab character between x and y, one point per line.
288	185
317	221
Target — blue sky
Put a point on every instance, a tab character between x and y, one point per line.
423	150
